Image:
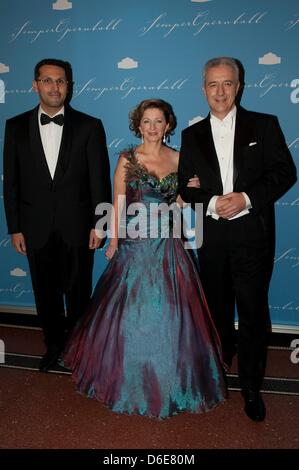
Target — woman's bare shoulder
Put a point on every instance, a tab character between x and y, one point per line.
173	154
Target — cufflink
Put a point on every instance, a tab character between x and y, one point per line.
252	143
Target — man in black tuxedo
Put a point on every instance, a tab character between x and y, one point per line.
56	171
244	166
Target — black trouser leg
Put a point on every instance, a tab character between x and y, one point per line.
235	265
46	274
250	271
61	276
217	283
78	266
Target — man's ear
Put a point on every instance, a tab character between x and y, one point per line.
34	85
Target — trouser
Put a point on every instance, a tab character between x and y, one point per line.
235	263
62	284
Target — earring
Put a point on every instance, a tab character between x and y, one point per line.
142	140
164	139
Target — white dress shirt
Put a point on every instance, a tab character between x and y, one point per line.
223	131
51	135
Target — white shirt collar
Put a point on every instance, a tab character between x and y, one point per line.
40	111
228	121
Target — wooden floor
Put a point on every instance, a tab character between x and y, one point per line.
43	411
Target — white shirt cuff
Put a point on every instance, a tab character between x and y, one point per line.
248	202
211	210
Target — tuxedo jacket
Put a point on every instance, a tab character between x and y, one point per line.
263	167
36	204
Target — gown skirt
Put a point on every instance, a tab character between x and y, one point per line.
147	344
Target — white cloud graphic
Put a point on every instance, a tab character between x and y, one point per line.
4	68
18	272
127	63
62	5
195	119
269	59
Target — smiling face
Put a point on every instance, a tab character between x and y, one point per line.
52	95
153	125
220	88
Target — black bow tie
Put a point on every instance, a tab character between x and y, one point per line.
45	119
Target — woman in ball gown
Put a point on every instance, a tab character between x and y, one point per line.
147	344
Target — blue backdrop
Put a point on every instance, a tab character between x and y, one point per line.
125	51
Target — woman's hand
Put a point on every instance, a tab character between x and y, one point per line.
193	182
112	248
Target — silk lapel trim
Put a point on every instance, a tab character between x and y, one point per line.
207	148
243	135
64	150
36	147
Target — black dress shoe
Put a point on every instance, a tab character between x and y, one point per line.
254	405
49	359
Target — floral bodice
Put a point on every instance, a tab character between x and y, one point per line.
145	183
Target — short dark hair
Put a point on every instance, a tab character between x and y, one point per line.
66	66
136	114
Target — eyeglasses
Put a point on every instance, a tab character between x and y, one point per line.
47	81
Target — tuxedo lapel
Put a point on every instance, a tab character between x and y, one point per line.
244	134
207	148
36	148
65	148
